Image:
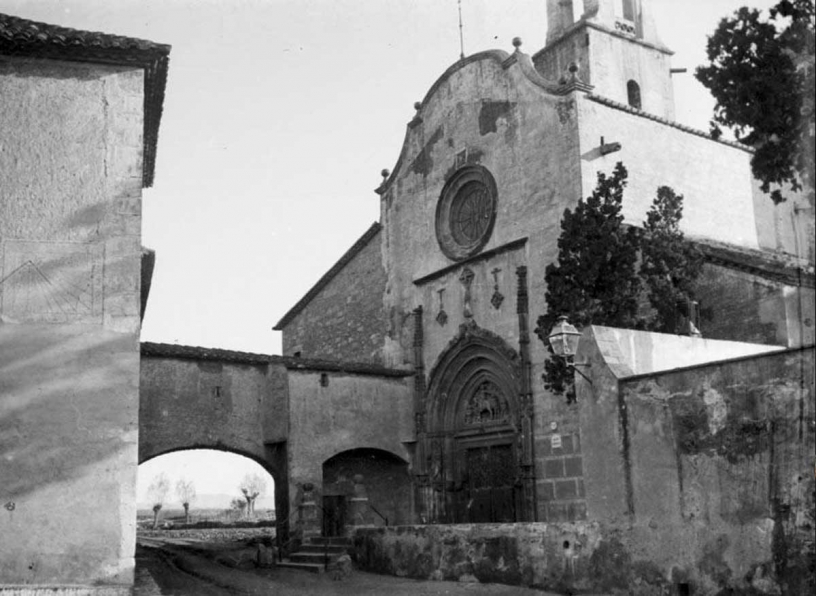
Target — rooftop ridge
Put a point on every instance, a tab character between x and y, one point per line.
689	129
33	39
321	283
184	352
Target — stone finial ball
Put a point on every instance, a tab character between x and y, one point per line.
517	42
417	105
385	173
358	479
307	486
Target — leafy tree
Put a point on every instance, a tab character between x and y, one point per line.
761	74
186	493
597	279
252	486
157	493
669	265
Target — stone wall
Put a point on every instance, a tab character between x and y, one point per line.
705	471
556	557
345	319
70	224
743	306
714	178
188	404
240	407
333	412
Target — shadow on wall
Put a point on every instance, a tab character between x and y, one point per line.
69	401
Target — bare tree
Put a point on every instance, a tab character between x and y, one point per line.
238	506
252	487
157	493
186	493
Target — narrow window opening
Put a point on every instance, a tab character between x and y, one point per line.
633	93
629	10
324	380
577	10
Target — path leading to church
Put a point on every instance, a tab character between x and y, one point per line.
169	571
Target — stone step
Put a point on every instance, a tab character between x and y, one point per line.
318	558
333	541
334	549
308	567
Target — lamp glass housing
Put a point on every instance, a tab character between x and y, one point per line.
564	338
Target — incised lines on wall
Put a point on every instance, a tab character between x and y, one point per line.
51	282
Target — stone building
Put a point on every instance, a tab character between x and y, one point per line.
449	282
79	121
409	392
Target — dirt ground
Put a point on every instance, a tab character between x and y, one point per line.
177	571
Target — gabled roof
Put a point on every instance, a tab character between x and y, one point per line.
21	37
352	252
771	265
179	352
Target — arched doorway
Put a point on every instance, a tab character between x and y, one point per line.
386	482
474	450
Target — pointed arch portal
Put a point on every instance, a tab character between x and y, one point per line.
474	448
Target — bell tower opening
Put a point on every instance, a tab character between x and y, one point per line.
633	94
613	42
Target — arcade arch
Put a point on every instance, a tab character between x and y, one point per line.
276	472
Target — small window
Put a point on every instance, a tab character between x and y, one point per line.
633	93
625	9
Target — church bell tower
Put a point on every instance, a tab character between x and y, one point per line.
615	45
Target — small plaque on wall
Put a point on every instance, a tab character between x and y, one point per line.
555	441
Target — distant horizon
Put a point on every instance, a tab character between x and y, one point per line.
210	501
212	473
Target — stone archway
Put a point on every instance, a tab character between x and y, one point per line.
385	481
475	466
273	463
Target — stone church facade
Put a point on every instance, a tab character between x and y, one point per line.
450	282
409	393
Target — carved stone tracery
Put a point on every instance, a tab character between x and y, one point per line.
486	404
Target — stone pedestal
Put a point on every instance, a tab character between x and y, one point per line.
309	519
359	509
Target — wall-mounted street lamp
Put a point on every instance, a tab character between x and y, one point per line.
564	339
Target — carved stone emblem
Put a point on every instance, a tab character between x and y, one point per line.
497	299
486	405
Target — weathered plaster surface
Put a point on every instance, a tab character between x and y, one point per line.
343	412
714	179
346	320
202	404
70	225
714	458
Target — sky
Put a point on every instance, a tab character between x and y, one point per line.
212	472
279	116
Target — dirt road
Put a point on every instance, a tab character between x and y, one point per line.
176	571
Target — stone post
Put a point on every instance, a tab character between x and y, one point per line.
309	519
359	511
